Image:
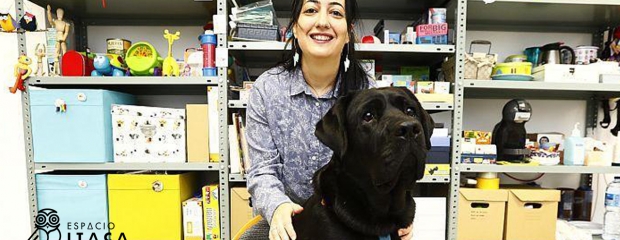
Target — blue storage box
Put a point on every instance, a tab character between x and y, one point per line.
73	125
438	155
76	199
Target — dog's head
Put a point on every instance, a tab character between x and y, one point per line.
379	136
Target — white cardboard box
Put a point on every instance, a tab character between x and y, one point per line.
148	134
430	218
573	73
193	227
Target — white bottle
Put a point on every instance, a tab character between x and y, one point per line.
611	222
574	149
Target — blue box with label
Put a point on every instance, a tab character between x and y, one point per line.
441	39
80	203
73	125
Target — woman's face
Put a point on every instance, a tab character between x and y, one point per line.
321	28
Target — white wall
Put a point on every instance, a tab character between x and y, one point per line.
14	210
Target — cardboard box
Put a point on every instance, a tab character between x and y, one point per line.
197	132
148	206
425	88
214	126
481	209
418	73
531	214
442	87
430	218
193	228
148	134
241	212
211	206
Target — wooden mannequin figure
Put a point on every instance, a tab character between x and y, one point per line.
62	30
40	53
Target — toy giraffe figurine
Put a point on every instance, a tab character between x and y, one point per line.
22	71
170	66
40	53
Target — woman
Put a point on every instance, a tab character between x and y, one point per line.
287	101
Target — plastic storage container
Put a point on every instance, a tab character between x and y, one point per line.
148	206
76	199
73	125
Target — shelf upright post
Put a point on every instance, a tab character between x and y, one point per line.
32	191
220	22
457	118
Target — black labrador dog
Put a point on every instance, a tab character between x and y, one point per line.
380	138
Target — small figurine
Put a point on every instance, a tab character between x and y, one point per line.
22	71
171	68
108	65
7	23
28	22
62	31
40	53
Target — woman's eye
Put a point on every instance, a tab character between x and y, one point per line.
337	13
410	111
310	10
368	116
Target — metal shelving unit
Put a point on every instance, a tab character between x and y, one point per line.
127	166
542	15
241	178
538	169
429	106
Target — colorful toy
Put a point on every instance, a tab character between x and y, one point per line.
22	71
62	29
208	42
77	64
108	65
7	23
28	22
171	68
40	53
143	60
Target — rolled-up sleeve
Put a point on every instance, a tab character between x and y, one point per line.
265	171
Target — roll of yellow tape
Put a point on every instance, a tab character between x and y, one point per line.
487	183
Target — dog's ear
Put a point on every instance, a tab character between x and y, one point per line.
331	129
427	121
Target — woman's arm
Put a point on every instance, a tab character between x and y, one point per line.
264	174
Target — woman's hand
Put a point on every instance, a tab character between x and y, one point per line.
406	233
281	227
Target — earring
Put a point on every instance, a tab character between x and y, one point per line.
346	60
296	55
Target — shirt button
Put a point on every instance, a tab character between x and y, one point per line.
313	157
317	104
310	181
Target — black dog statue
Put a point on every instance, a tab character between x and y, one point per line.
380	138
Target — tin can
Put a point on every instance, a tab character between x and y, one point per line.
118	46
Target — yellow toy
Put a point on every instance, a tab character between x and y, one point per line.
22	71
171	68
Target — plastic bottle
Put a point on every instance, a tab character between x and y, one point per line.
208	42
611	224
574	148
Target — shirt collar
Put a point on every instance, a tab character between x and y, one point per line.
299	85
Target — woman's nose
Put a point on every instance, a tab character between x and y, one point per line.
323	20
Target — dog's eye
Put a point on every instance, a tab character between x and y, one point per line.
368	116
410	112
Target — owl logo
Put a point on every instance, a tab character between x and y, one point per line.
47	223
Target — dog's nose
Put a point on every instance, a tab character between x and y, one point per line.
408	128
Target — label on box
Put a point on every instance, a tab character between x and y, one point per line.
210	196
432	29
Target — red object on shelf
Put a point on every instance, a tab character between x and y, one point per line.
76	64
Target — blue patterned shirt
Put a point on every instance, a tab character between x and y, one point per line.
281	118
